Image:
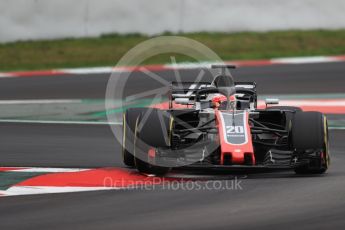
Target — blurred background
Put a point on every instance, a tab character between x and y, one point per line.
99	32
51	19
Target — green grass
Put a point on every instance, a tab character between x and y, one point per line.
108	49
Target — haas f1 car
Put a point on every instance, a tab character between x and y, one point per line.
218	125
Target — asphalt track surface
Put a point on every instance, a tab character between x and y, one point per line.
266	201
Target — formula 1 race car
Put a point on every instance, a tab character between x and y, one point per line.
218	125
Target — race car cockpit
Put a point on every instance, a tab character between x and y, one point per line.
222	93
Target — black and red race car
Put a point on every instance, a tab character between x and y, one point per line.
218	125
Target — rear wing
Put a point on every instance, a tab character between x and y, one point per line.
187	89
185	92
246	84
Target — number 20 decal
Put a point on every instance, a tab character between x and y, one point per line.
234	129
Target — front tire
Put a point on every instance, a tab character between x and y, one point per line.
152	131
129	122
310	135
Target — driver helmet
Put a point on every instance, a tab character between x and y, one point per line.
221	81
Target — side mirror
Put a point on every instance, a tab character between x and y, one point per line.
271	101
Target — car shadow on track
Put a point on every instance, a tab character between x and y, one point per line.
227	175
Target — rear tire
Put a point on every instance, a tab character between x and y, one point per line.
288	115
310	133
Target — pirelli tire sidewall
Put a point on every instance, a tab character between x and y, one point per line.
153	130
129	122
309	132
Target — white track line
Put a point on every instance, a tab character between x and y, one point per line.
40	101
60	122
91	70
337	128
43	170
303	60
5	75
32	190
